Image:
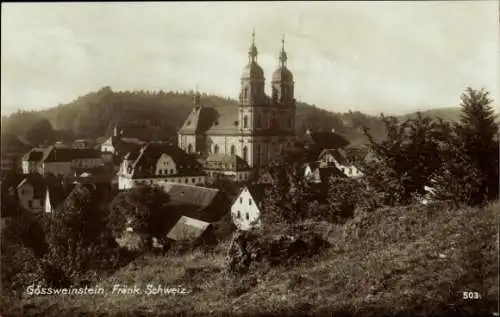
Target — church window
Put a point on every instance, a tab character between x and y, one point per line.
233	149
216	149
274	123
245	153
245	122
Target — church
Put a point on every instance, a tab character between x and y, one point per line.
257	129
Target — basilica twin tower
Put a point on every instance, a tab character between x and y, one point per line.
258	128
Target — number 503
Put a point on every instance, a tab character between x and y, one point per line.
471	295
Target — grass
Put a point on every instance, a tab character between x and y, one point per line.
393	262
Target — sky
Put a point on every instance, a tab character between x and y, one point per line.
391	57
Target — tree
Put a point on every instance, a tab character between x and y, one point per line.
470	170
143	208
289	199
20	267
77	239
405	161
26	228
41	132
343	196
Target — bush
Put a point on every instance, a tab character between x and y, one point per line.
249	250
20	268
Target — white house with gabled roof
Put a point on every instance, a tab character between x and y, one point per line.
247	209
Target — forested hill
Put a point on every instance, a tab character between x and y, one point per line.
161	114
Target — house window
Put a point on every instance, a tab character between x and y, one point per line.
245	122
233	149
241	200
193	180
186	181
190	148
239	214
250	201
30	203
248	216
216	149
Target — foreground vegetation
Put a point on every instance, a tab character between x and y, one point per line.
416	260
380	250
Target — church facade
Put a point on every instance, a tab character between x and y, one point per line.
257	129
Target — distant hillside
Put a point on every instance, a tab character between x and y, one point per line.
161	114
448	114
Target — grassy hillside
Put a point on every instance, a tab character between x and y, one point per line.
414	261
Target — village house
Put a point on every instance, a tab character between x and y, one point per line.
226	166
55	195
193	231
31	192
31	161
36	192
189	206
202	203
61	160
12	150
266	177
336	158
247	208
115	147
324	140
314	173
158	163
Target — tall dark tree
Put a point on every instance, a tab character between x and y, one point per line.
470	173
404	162
143	208
41	132
78	243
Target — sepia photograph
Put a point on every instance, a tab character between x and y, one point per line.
250	158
